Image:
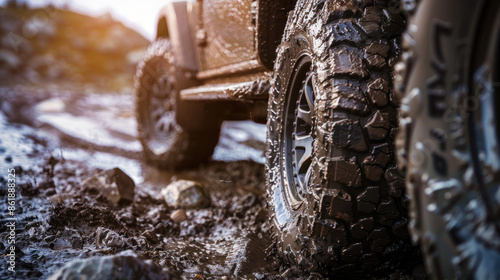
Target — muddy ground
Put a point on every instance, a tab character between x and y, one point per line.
56	136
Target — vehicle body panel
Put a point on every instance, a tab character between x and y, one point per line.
225	33
226	37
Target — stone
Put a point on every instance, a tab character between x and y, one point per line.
51	106
108	238
178	215
125	265
73	237
114	184
185	194
151	237
60	244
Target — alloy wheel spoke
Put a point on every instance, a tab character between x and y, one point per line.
306	116
309	92
305	143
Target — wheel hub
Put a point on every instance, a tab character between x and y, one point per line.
162	113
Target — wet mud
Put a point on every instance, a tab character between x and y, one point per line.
54	147
56	138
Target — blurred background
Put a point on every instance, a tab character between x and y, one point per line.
95	42
67	69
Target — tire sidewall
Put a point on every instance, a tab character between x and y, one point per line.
154	67
285	216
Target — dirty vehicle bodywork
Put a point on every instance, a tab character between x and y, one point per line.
231	45
319	74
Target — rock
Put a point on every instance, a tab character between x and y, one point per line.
72	237
126	265
52	105
114	184
57	198
178	216
128	219
68	239
185	194
61	244
151	237
109	238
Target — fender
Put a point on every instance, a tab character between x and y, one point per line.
173	23
271	20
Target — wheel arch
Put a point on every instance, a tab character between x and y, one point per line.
173	23
162	28
271	20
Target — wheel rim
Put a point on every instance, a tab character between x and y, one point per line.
160	110
298	129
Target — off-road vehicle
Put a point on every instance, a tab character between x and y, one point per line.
319	73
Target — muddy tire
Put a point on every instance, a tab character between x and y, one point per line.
338	200
174	134
448	143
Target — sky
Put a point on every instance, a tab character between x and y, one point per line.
140	15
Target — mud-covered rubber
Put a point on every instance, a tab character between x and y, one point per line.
191	141
351	220
448	144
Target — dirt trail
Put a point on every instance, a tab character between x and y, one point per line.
56	139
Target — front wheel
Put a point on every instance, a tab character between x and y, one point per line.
167	143
449	140
337	199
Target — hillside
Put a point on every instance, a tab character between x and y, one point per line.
52	45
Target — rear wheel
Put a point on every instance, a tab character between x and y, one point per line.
338	200
167	142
